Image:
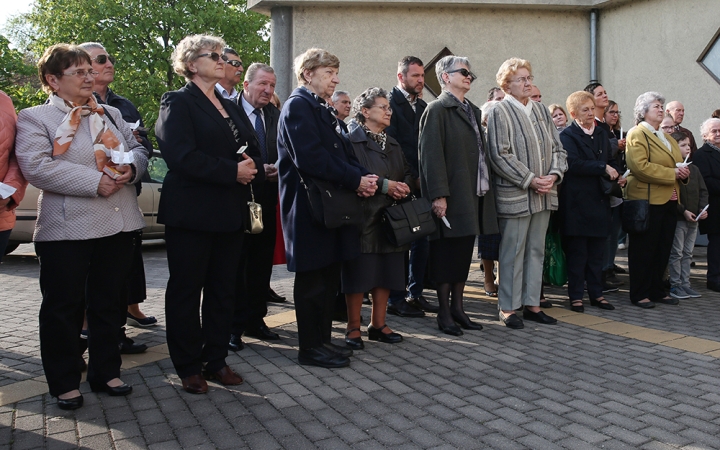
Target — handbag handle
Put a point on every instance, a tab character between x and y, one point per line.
648	146
412	199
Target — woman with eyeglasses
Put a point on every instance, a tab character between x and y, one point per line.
211	158
529	163
455	175
87	218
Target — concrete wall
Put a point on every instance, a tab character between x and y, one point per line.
370	40
653	46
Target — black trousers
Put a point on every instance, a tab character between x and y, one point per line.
134	289
584	257
75	277
255	271
201	263
649	253
314	294
713	258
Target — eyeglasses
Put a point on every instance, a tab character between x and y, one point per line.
385	108
214	56
102	59
82	73
524	80
668	128
233	62
614	112
464	72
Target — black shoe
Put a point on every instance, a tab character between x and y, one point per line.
354	343
322	357
618	269
376	334
539	317
342	351
602	305
116	391
422	304
545	303
236	344
129	347
263	333
69	404
667	301
404	309
644	305
609	288
274	297
713	286
512	321
609	278
452	330
467	324
577	308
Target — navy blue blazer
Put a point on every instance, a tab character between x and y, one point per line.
309	141
200	191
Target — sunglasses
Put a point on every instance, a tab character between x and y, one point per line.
464	72
214	56
234	62
102	59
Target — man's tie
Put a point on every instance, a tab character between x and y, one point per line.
260	130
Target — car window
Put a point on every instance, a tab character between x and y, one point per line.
157	169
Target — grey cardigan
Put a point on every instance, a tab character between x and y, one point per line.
448	150
518	155
69	207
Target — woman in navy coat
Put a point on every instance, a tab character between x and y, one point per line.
310	145
584	207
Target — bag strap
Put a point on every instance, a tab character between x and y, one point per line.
648	146
107	114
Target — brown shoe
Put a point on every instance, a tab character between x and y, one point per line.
195	384
225	376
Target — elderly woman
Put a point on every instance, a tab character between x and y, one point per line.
527	171
10	174
584	207
559	117
651	156
203	207
380	267
310	147
706	159
87	219
455	175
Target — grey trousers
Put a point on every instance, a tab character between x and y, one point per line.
522	250
681	253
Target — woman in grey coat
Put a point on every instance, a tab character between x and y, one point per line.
455	176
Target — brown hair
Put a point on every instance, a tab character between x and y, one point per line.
58	58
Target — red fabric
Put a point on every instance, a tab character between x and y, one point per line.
9	170
279	256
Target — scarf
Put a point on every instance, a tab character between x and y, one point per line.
379	138
103	139
588	131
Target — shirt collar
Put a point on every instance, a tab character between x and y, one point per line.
247	107
232	95
660	135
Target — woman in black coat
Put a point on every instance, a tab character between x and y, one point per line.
584	207
203	205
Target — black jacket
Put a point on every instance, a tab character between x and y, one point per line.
405	126
200	191
707	159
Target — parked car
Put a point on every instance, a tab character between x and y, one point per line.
148	200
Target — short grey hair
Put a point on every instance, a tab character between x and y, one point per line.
366	100
642	104
705	127
448	63
87	46
337	94
188	50
254	68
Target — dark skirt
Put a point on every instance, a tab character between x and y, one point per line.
450	259
374	270
489	246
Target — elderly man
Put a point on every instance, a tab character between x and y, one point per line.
707	159
536	96
341	101
495	94
404	126
135	293
233	74
255	269
677	111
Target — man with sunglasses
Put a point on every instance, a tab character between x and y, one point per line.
233	74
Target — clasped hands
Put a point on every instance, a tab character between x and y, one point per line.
543	185
398	190
368	185
108	186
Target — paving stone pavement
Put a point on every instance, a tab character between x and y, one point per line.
569	386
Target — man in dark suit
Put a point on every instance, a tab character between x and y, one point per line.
707	159
255	268
404	126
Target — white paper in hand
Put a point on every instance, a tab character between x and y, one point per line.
445	221
6	190
133	126
121	157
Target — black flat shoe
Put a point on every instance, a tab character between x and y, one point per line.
69	404
275	297
512	321
645	305
404	309
452	330
545	303
116	391
322	357
342	351
354	343
263	333
467	324
236	343
376	334
668	301
422	304
539	317
577	308
602	305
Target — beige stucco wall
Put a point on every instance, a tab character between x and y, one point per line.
653	45
370	40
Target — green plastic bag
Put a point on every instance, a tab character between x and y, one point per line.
554	264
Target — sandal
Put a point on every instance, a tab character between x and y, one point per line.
354	343
601	303
491	293
577	306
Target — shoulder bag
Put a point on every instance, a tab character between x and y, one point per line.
636	213
408	221
254	224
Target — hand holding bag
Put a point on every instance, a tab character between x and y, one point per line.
254	224
408	221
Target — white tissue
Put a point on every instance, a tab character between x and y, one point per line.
6	190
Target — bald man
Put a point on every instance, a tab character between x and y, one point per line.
535	95
677	111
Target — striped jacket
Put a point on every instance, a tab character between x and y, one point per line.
522	148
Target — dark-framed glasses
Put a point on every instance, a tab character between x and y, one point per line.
613	112
464	72
81	73
233	62
102	59
215	56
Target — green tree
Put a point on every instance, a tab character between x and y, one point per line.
18	76
142	34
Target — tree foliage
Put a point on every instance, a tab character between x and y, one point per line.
18	77
141	34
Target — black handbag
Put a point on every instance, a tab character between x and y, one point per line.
636	213
408	221
333	206
610	187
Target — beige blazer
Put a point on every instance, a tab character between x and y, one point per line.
69	207
658	172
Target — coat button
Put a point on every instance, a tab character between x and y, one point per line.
117	209
335	145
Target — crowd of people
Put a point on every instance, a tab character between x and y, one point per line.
496	176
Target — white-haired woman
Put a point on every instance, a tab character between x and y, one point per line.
529	162
651	156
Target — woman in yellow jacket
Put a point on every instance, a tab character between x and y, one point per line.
652	158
